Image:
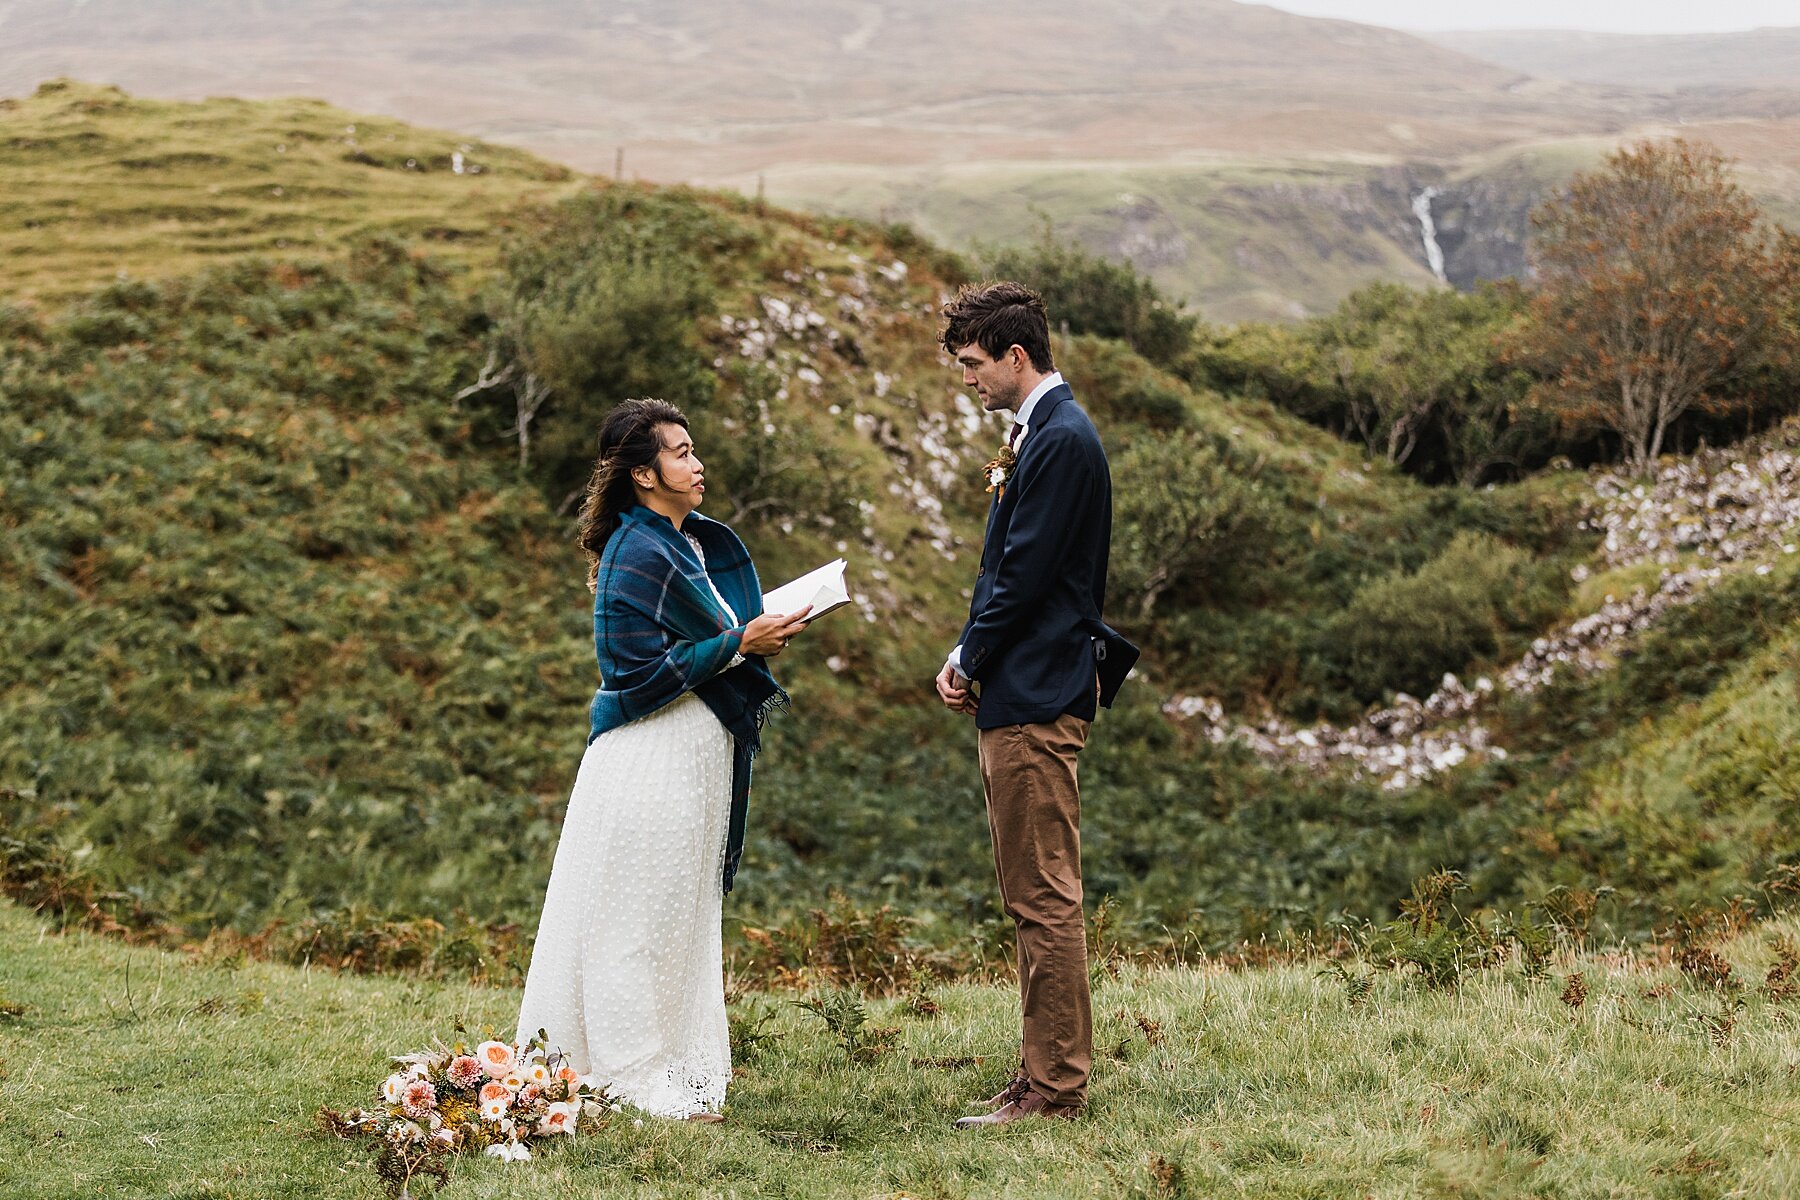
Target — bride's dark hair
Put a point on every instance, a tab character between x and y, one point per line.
628	440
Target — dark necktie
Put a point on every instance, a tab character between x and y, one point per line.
1012	435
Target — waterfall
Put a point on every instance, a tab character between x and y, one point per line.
1434	253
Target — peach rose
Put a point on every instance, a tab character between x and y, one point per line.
495	1099
497	1058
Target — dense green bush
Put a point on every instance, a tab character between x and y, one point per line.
1401	631
1188	518
597	301
1086	293
1419	378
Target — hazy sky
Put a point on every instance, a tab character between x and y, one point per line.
1622	16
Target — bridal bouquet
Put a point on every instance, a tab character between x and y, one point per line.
498	1098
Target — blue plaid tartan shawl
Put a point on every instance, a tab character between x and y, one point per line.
659	633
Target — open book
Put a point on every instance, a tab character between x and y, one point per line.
823	589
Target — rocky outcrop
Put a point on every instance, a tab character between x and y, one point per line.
1701	518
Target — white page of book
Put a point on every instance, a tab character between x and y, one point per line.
823	588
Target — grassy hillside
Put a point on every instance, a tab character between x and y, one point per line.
103	186
1672	775
131	1072
274	596
288	635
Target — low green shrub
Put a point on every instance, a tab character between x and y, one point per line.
1189	520
1403	630
1086	293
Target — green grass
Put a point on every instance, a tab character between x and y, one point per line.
286	635
102	186
1688	781
131	1072
273	597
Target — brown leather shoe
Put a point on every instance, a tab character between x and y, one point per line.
1029	1105
1015	1087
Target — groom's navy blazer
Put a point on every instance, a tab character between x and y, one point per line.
1035	611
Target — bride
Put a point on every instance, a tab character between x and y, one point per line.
626	975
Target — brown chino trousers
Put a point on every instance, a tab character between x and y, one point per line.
1034	814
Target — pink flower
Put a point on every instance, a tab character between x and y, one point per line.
419	1099
529	1093
496	1058
559	1118
464	1071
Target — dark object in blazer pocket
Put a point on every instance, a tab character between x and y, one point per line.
1114	656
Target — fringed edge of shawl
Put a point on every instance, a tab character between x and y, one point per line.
765	712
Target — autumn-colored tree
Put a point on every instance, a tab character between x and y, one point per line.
1659	288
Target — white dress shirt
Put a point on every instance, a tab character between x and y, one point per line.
1022	419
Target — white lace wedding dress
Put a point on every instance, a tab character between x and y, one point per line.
626	976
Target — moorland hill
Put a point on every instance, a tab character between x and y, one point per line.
1259	163
293	631
1696	65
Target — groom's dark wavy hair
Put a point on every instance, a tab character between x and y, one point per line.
997	317
628	440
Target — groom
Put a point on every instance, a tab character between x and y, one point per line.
1035	644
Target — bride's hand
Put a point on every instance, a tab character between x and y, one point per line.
769	634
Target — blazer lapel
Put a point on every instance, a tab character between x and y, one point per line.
1046	405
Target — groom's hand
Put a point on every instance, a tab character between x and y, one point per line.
953	689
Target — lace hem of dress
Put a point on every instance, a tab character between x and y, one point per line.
686	1088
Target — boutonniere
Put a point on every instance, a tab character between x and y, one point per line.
1000	469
